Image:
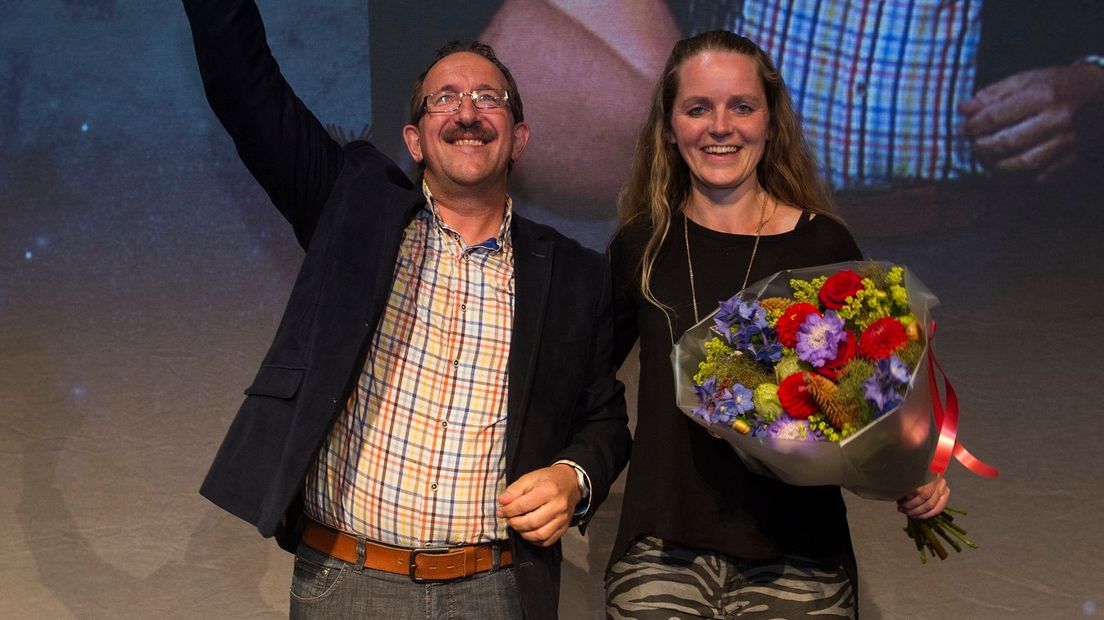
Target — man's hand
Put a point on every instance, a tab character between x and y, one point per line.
539	505
926	501
1036	123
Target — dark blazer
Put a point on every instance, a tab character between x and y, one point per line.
348	207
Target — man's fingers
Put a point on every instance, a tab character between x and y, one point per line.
1035	158
542	527
520	487
1004	113
525	496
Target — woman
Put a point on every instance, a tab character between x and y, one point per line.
723	192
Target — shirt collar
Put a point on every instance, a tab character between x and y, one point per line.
499	241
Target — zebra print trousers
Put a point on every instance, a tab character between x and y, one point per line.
655	580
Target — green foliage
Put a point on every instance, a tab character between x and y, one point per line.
730	366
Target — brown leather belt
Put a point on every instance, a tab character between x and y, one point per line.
432	564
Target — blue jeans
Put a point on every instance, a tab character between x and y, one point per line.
326	587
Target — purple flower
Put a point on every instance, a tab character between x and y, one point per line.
885	388
721	411
726	315
705	392
785	427
745	328
752	313
819	337
732	403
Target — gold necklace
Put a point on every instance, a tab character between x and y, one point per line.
754	248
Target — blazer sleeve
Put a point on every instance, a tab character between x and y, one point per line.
599	439
280	141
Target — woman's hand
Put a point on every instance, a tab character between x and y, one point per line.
926	501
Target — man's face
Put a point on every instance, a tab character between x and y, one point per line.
469	149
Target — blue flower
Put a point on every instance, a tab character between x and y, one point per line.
726	315
705	393
752	313
722	408
885	388
745	328
731	403
819	337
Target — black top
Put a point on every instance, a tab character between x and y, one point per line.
684	485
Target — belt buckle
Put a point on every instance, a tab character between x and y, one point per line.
414	553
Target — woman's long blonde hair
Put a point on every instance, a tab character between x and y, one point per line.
659	182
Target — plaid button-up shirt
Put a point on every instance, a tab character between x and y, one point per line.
418	456
876	83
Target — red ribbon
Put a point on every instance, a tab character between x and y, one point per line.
946	420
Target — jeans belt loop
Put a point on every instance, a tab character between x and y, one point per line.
362	554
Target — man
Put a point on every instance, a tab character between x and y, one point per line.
439	403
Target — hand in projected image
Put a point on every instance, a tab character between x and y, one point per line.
1037	123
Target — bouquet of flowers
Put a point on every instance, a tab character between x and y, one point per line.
821	376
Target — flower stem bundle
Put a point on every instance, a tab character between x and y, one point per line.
926	533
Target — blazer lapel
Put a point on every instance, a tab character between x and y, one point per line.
532	275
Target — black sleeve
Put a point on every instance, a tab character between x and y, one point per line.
599	438
280	141
625	268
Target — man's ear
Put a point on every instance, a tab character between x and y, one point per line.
521	138
413	139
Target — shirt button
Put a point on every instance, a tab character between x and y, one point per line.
433	486
444	424
454	363
463	307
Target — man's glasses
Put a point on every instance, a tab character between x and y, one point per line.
447	101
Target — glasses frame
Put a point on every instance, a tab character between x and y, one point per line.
503	101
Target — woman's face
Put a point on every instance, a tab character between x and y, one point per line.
720	121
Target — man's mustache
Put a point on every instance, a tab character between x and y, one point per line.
482	133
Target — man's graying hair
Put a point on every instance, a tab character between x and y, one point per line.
417	109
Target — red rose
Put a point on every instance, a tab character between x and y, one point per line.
793	394
846	352
792	318
836	289
882	338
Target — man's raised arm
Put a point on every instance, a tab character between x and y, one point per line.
277	137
